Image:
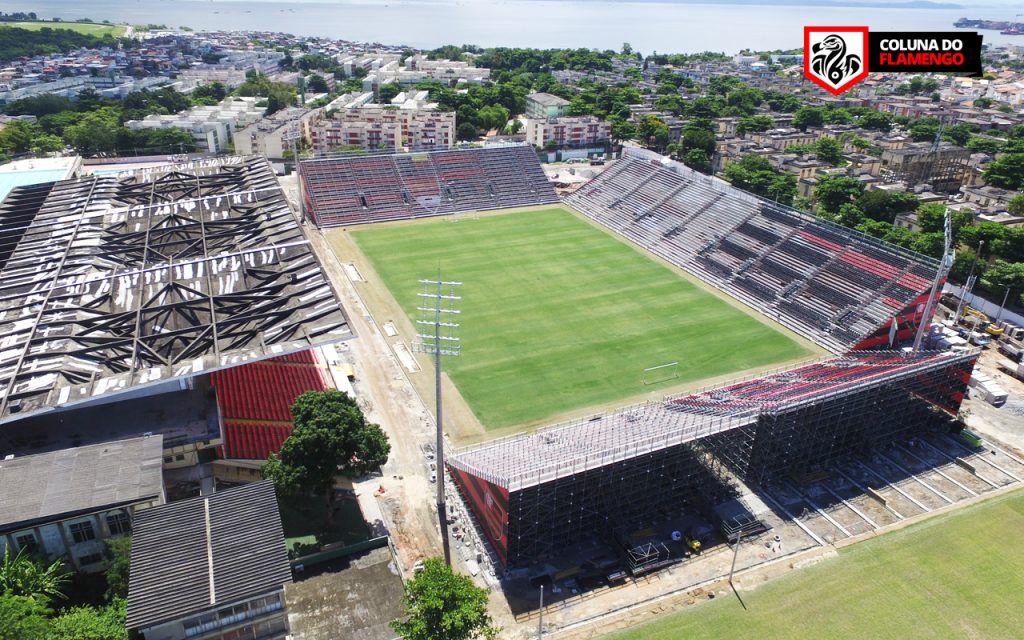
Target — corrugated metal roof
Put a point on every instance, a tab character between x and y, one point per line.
45	486
206	552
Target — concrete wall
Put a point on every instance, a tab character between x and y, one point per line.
55	539
990	308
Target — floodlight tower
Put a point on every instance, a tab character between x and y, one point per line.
944	267
439	345
293	135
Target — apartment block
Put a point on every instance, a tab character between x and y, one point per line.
545	105
211	126
567	132
385	128
272	136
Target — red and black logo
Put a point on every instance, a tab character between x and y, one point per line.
836	58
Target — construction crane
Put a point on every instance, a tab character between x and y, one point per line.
944	266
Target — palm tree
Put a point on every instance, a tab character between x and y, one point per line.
22	575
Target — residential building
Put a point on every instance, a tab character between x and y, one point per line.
908	221
545	105
211	568
65	503
583	131
232	68
112	86
272	136
419	69
783	138
386	128
211	126
945	167
350	62
862	163
988	198
803	167
789	59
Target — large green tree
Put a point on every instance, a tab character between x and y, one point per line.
1006	172
755	174
118	568
96	132
1002	276
875	120
653	131
1016	205
440	603
829	150
924	129
316	83
932	216
808	117
697	159
834	190
91	623
754	123
23	575
17	137
23	618
886	205
1011	246
331	437
992	233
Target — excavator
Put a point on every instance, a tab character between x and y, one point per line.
982	321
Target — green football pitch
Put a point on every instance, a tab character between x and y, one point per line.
88	28
558	315
955	576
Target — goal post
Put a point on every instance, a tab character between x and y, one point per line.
661	373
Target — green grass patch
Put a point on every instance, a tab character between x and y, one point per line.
557	315
956	576
88	28
305	524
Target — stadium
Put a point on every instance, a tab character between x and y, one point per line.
571	310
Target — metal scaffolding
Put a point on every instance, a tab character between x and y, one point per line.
860	419
614	474
610	502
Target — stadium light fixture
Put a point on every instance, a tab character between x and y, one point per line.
439	345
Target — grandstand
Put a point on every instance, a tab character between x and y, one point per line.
360	189
112	283
837	287
255	402
535	493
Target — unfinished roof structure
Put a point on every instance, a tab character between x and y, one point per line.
111	283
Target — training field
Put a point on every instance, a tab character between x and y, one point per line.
558	315
955	576
89	28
